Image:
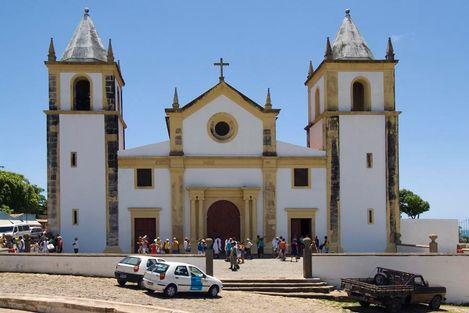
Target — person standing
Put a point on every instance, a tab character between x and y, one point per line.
217	248
167	246
175	246
75	245
275	243
153	247
247	248
260	248
228	249
20	244
316	241
187	245
233	257
200	247
60	244
282	249
294	251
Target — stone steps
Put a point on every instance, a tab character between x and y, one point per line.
281	286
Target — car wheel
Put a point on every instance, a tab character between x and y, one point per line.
213	291
380	280
170	291
364	304
140	284
435	303
394	305
121	282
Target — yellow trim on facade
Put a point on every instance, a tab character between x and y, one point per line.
143	213
60	67
72	82
152	178
223	162
57	112
301	213
293	178
222	117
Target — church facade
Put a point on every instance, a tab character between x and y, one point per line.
223	173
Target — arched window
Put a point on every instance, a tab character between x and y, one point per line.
358	96
81	95
317	103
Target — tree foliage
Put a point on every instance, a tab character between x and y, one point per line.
18	195
411	204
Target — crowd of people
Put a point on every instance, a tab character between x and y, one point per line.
233	250
46	243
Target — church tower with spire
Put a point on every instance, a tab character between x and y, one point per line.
352	116
85	129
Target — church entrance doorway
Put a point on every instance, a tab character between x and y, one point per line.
144	226
300	227
223	220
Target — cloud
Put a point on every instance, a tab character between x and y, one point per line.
400	37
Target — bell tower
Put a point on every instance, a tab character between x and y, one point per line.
85	129
352	116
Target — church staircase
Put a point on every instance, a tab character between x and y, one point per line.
279	286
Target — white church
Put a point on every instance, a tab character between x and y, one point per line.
223	172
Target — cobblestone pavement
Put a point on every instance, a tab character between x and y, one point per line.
259	268
229	302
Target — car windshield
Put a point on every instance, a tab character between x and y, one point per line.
130	261
159	268
6	229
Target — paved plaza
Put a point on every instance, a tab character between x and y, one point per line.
229	301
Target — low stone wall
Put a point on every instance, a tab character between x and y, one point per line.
449	270
98	265
408	248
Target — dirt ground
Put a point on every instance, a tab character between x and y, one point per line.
228	302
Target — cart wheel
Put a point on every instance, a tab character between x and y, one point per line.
364	304
380	279
394	305
435	303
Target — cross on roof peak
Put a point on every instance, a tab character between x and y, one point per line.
221	64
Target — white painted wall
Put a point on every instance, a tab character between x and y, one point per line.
416	231
83	187
99	265
66	91
157	197
445	270
316	138
223	177
376	84
196	140
362	188
312	101
314	197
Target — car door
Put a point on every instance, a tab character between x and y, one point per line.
182	278
420	294
198	279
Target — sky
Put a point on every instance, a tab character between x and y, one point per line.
167	44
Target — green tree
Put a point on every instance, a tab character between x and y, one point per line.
411	204
18	195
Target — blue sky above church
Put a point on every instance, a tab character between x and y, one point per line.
162	45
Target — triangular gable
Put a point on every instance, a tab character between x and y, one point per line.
223	88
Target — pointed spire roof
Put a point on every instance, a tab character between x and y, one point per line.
268	101
85	45
310	69
110	53
51	55
175	99
390	50
328	51
349	44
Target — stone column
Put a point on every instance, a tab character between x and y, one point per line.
193	226
247	214
433	244
270	205
254	218
177	196
307	259
201	227
209	257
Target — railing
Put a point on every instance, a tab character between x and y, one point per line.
464	231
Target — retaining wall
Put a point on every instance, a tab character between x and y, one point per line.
99	265
446	270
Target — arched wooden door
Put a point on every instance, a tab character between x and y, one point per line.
223	220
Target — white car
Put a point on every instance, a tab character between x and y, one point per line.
173	277
132	267
15	230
